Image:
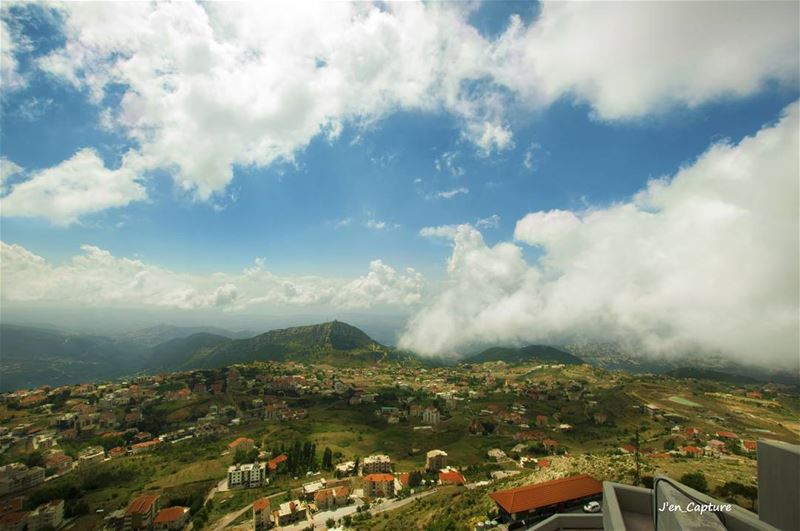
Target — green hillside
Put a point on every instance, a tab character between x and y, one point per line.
530	353
174	353
334	342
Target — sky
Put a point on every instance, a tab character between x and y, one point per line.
497	172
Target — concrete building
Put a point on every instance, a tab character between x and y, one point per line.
16	476
327	499
247	476
431	416
49	515
379	486
290	512
669	504
141	512
435	460
262	518
376	464
91	456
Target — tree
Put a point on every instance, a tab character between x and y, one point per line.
414	479
330	523
669	444
695	480
327	459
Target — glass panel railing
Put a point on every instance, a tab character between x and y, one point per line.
675	508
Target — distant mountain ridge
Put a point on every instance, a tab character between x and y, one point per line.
523	354
334	342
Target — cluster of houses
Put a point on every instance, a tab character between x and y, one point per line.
46	516
145	513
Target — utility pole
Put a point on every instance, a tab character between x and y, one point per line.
637	480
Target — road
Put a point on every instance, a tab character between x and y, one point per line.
228	519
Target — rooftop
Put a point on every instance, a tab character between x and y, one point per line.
540	495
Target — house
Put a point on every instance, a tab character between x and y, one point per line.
91	455
691	451
541	420
147	446
451	477
431	416
16	521
16	476
346	469
171	518
48	515
290	512
521	502
749	446
247	476
331	498
435	460
550	444
58	462
142	511
117	451
379	485
692	433
275	462
627	449
727	435
262	518
375	464
242	444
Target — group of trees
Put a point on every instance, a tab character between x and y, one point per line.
301	457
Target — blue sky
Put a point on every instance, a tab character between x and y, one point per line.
506	117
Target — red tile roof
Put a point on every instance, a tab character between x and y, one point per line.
261	504
275	461
452	477
543	463
170	514
750	445
727	435
142	504
691	450
240	440
14	518
548	493
379	477
550	442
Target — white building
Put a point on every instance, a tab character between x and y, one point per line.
247	476
431	415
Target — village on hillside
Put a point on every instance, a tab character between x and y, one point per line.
294	446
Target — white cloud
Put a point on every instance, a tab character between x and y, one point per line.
382	285
630	59
99	279
76	187
491	222
450	194
8	169
215	85
447	163
10	76
375	224
705	261
529	159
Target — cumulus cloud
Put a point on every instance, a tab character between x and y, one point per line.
10	76
78	186
705	260
491	222
97	278
8	169
211	86
629	59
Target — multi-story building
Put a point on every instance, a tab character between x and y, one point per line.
262	519
247	476
91	455
375	464
331	498
16	476
379	486
290	513
435	460
49	515
431	416
141	512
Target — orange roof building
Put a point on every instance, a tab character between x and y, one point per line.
451	477
242	443
275	461
522	501
171	518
